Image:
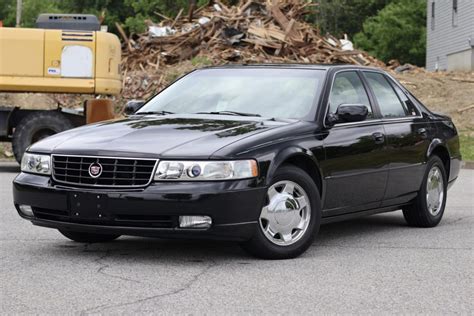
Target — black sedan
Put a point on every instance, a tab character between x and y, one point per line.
260	154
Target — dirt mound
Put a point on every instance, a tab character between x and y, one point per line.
450	93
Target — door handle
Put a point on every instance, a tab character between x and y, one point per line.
422	132
378	137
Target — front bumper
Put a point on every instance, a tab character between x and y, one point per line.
234	207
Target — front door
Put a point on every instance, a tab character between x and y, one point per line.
355	168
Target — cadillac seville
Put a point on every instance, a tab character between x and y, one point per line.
259	154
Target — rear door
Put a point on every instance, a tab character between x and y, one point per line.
355	169
408	136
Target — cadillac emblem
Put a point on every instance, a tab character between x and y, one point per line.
95	170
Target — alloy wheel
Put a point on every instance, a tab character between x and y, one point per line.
286	216
434	191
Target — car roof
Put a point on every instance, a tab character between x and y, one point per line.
294	66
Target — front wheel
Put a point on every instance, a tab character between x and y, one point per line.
290	218
87	237
428	208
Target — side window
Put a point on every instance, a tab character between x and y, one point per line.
408	105
455	12
347	88
432	15
389	103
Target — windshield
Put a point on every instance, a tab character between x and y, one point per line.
274	93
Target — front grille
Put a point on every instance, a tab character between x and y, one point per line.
116	172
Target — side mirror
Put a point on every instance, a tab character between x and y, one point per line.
132	106
351	112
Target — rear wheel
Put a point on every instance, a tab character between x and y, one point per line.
290	218
87	237
428	208
35	127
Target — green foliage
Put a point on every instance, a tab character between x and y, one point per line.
29	12
112	10
345	16
172	76
467	147
136	23
201	61
146	9
132	13
398	31
165	7
7	12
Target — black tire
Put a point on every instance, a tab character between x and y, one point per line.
417	214
36	126
261	247
87	237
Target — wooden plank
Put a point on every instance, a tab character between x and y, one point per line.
463	80
467	108
281	19
122	32
177	18
289	28
277	33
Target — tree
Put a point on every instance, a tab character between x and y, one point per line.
113	10
398	31
131	12
338	17
30	11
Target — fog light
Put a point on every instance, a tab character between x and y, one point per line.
26	210
195	221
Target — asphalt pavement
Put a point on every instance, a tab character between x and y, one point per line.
369	265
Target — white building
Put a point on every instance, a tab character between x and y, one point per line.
450	35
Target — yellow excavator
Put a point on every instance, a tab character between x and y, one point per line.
65	53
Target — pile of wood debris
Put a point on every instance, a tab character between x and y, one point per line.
251	32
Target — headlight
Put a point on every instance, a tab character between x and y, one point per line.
206	170
34	163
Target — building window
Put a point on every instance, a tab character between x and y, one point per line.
455	12
432	15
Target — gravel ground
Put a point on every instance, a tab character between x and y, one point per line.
369	265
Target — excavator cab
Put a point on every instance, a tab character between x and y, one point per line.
66	53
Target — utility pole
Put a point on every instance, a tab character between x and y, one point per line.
19	4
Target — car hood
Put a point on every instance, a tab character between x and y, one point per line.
172	136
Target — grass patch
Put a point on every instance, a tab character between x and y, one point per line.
171	76
467	147
201	61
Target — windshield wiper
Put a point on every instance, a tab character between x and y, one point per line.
154	112
230	113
